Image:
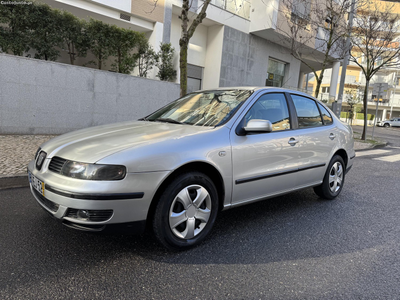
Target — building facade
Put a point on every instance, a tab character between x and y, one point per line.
388	101
239	43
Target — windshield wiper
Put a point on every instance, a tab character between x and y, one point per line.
168	120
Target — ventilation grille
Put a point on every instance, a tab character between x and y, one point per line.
125	17
56	164
93	215
46	202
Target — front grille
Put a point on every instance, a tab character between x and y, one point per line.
93	215
56	164
46	202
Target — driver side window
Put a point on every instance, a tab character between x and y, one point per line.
272	107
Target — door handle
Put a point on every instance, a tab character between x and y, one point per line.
292	141
332	136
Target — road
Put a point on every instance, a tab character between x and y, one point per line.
391	135
291	247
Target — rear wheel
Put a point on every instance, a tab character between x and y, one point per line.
333	181
186	211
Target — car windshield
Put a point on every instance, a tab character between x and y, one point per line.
207	108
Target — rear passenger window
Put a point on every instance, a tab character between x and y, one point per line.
307	112
326	116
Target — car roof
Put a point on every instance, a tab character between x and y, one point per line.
257	88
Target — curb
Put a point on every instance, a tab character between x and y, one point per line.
14	181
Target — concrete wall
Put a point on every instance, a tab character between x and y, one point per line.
39	97
245	60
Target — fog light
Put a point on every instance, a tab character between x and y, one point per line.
83	214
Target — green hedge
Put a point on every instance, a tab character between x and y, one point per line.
370	117
360	116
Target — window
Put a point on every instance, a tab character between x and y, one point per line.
194	78
276	73
326	116
325	89
307	112
272	107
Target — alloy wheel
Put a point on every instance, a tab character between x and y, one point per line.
336	177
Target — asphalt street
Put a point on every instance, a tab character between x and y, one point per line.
391	135
291	247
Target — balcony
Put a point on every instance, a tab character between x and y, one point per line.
240	8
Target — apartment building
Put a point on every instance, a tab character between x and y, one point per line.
239	43
389	99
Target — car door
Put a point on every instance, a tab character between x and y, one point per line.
265	163
317	138
396	122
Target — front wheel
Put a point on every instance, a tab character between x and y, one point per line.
386	125
333	181
186	211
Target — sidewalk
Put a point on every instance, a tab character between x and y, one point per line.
16	151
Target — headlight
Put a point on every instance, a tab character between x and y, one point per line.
92	171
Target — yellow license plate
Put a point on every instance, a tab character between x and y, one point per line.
36	183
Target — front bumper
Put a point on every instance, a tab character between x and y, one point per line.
104	203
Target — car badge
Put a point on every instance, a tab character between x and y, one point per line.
40	160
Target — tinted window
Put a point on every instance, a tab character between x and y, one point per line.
272	107
326	116
307	112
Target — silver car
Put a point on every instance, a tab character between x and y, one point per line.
394	122
175	169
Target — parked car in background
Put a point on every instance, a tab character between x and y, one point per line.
394	122
175	169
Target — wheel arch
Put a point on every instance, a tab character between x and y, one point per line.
343	154
199	166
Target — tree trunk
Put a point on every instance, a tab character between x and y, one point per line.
319	82
119	61
183	66
365	100
71	51
100	61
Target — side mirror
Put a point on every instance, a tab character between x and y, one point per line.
257	125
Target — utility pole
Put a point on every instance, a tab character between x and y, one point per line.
345	61
376	112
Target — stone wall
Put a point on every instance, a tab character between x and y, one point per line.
245	60
41	97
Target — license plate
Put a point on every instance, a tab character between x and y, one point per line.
37	184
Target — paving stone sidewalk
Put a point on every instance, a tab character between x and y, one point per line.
17	150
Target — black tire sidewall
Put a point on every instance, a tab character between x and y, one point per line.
325	185
161	216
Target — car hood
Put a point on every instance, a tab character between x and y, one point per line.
92	144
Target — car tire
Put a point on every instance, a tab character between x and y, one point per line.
386	125
186	211
333	181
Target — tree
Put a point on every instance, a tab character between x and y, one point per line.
315	31
15	28
165	65
46	25
74	36
123	42
146	57
100	34
375	44
186	35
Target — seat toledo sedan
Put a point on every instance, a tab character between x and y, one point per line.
175	169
